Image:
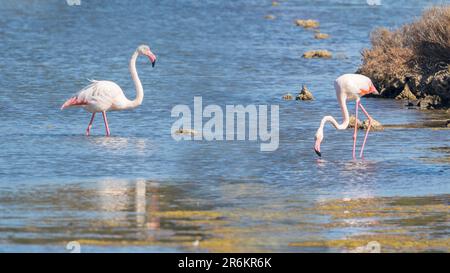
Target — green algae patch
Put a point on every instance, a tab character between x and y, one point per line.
383	207
197	222
242	239
99	242
396	224
387	243
188	214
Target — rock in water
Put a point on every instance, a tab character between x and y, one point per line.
270	17
320	36
317	54
429	102
406	94
376	125
351	124
182	131
288	96
307	23
304	94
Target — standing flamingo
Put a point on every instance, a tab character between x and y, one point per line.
348	87
102	96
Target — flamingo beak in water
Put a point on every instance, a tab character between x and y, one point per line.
317	149
318	152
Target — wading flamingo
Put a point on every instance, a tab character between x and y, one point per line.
348	87
102	96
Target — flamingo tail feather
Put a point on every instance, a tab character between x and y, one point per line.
74	101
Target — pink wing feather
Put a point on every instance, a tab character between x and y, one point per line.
97	97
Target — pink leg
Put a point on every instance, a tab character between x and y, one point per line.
368	129
356	129
88	130
106	123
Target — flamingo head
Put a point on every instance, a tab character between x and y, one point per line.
318	138
145	50
373	90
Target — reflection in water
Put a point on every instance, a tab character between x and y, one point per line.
154	221
114	143
140	201
131	198
113	196
240	217
355	175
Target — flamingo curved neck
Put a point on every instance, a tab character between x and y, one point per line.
332	120
137	82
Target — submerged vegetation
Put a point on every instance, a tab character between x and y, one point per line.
415	57
154	216
396	224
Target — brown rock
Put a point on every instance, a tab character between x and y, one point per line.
307	23
429	102
320	36
288	96
406	94
440	84
305	94
351	124
376	125
270	17
317	54
182	131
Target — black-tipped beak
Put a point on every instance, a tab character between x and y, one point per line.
318	153
153	63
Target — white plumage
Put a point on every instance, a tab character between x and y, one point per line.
103	96
348	87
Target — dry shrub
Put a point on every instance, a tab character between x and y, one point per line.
388	58
429	37
416	50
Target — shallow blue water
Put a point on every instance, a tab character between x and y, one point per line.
51	175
